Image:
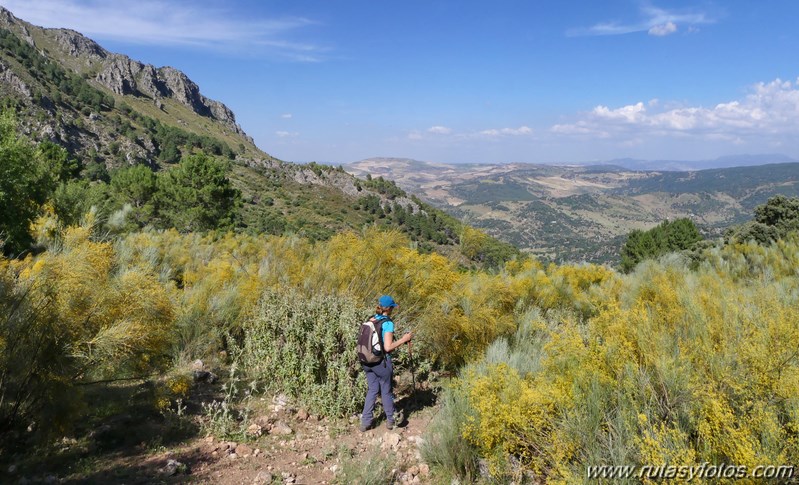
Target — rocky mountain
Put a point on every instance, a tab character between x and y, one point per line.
119	73
110	111
78	94
583	213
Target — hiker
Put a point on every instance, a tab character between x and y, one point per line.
379	376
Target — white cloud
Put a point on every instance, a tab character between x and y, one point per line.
498	132
443	131
578	128
200	24
627	113
286	116
439	130
770	109
654	20
663	30
286	134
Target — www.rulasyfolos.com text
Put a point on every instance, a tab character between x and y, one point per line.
701	471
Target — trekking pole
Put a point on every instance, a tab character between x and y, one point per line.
413	374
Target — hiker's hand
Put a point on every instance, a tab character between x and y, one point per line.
407	337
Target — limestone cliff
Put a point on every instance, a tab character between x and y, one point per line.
117	72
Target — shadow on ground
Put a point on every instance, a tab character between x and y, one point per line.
414	402
107	443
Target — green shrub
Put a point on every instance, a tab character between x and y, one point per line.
666	237
774	220
377	469
196	196
444	447
304	347
29	173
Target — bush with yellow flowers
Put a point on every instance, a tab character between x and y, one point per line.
171	390
669	367
72	315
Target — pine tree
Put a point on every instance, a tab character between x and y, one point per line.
197	196
666	237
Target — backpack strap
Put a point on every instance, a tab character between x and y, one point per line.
379	328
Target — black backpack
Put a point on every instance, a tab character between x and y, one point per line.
370	341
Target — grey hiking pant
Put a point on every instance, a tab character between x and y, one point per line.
378	378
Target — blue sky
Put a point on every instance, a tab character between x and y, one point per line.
473	81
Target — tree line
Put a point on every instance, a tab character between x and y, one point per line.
772	221
195	195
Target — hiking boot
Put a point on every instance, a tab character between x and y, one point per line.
365	427
389	425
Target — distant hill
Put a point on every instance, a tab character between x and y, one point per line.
688	165
110	111
583	213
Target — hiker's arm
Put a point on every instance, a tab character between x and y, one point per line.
390	344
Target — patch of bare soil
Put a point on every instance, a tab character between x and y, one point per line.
315	453
284	445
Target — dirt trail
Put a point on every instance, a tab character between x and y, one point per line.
313	450
315	454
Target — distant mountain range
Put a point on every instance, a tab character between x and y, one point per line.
111	111
583	213
685	165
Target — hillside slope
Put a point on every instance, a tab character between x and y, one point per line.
110	111
102	105
583	213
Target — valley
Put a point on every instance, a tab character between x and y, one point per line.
583	213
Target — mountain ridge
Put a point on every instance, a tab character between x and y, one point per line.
111	112
654	165
121	74
583	213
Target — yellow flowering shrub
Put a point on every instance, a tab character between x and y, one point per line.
666	366
170	390
515	416
74	315
663	444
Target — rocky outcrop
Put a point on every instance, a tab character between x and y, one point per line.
147	82
222	113
339	180
77	45
9	78
125	76
8	21
118	75
183	90
69	41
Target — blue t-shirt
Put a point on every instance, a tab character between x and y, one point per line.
388	326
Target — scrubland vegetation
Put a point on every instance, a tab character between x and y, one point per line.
671	366
686	359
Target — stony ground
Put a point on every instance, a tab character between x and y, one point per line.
315	453
296	449
284	444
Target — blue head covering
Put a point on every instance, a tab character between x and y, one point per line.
386	301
